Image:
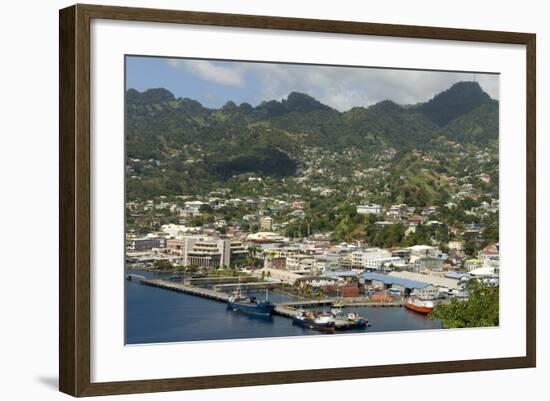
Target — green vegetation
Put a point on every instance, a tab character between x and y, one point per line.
480	310
257	161
178	146
254	159
456	101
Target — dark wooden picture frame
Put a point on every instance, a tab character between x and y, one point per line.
74	203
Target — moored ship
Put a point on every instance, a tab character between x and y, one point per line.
321	321
349	320
239	302
418	305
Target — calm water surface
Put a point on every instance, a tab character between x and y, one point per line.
155	315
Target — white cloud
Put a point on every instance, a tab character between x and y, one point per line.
231	75
339	87
347	87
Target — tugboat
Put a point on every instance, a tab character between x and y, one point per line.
421	306
321	321
350	320
239	302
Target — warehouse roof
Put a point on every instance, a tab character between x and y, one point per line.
342	273
432	279
391	280
457	276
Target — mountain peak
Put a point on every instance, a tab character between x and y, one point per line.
459	99
151	96
386	106
295	102
301	102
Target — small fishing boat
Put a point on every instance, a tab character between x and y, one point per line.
321	321
350	320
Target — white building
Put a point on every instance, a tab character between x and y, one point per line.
428	292
177	230
374	259
317	281
299	262
206	252
192	208
382	263
422	250
371	208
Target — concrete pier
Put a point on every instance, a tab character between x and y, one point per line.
245	286
186	289
135	277
219	280
287	309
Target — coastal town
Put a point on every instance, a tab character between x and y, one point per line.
377	218
430	258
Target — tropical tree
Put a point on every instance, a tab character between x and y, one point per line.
480	310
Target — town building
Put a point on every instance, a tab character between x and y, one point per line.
489	256
472	264
317	281
456	246
375	259
206	252
371	208
266	224
145	243
192	208
385	281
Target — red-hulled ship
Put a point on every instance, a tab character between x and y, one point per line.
420	306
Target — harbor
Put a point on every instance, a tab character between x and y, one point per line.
289	309
203	314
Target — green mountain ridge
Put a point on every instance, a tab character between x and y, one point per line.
270	138
458	100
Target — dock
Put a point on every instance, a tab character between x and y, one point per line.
186	289
372	304
135	277
287	309
197	281
246	286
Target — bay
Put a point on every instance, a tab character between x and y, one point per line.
155	315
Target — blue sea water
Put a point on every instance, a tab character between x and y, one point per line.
155	315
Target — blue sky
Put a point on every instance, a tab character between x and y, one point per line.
213	83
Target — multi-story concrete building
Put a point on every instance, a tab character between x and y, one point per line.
145	243
299	262
266	224
427	263
207	252
365	258
181	247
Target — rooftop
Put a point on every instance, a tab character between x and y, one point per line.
390	280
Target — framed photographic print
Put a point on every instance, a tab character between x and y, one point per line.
250	200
